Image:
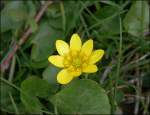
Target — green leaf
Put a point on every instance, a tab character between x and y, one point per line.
50	74
33	24
61	17
108	22
31	7
44	42
112	26
16	10
5	101
72	17
39	64
6	23
13	15
32	88
54	15
82	97
136	21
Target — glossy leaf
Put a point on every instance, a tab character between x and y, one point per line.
44	42
32	88
136	21
82	97
13	15
50	74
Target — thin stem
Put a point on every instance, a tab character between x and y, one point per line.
92	15
13	103
97	5
47	112
84	24
105	20
55	109
119	58
14	86
138	84
63	15
10	84
86	76
142	19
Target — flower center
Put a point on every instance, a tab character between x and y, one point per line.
76	62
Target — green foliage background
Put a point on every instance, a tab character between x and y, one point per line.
120	27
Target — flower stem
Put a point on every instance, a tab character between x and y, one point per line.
86	76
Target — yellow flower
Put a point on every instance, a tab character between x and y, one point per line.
75	59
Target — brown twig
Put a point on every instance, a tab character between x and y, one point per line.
6	61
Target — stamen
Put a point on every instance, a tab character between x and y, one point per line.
76	62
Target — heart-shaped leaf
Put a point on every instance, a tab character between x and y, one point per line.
32	88
44	42
82	97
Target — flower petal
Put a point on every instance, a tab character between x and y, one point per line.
90	69
63	77
96	56
75	42
87	48
56	60
76	73
62	47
